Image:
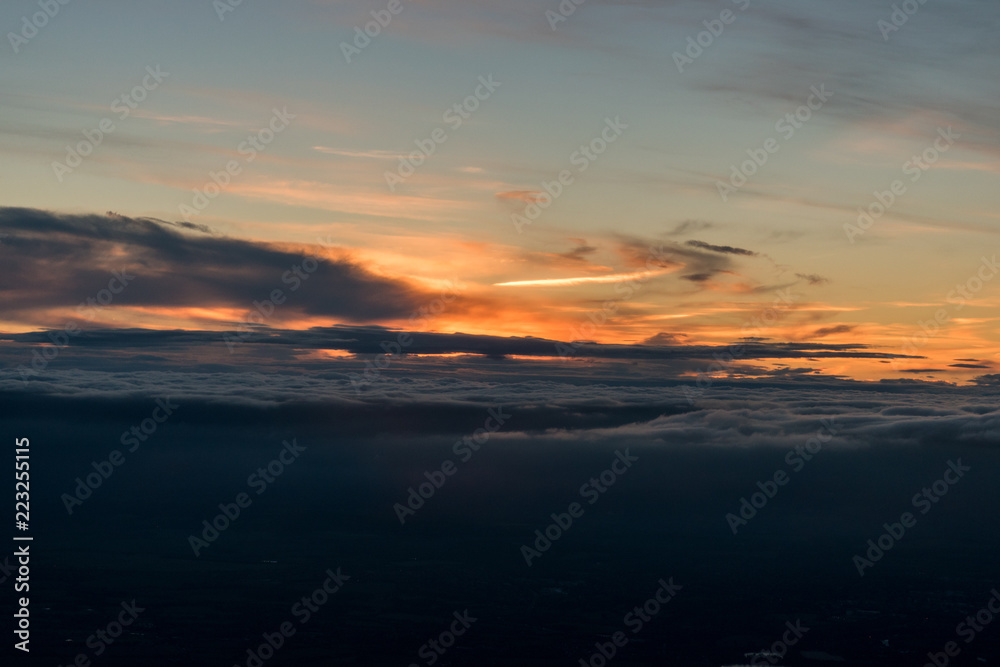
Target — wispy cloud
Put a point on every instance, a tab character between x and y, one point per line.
374	155
582	280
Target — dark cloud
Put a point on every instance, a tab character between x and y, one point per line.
724	249
296	349
700	261
812	278
580	252
58	260
826	331
421	397
664	338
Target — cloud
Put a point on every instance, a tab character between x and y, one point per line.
580	280
56	261
575	259
799	45
697	277
724	249
108	348
522	196
698	264
371	154
419	396
812	278
664	338
826	331
580	252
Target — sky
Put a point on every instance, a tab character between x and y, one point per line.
658	173
703	237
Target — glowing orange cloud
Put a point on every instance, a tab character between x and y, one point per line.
556	282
